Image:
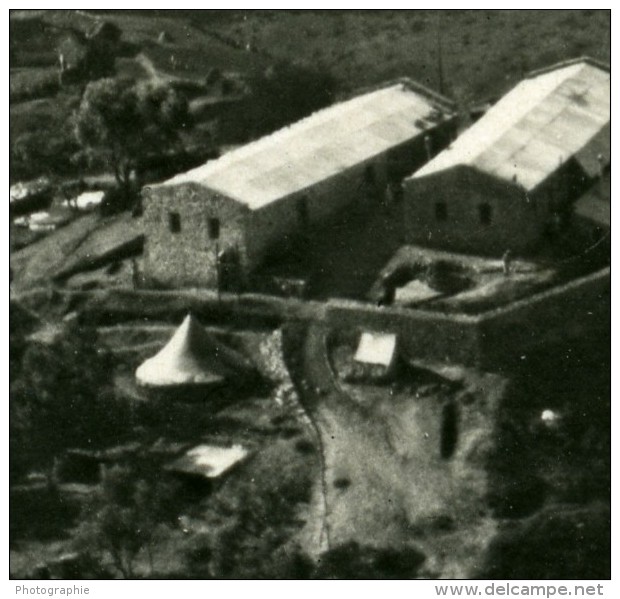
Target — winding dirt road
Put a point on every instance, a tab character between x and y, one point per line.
384	482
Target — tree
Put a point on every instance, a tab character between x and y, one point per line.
120	121
353	561
62	396
122	519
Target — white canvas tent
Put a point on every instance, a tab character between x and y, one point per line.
192	356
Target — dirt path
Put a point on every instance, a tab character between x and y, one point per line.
361	504
384	483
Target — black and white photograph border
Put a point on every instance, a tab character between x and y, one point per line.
310	294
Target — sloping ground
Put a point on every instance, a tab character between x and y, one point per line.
515	496
194	49
117	238
248	515
484	52
85	243
385	482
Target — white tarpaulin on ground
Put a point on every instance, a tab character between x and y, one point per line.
376	348
88	199
209	461
414	291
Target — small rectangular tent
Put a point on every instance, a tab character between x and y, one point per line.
377	353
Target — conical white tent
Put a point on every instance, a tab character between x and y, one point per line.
192	356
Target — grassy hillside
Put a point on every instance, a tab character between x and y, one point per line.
483	51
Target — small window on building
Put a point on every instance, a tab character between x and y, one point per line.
441	211
174	222
214	228
485	213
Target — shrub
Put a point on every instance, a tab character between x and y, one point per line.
63	397
122	519
559	543
30	84
354	562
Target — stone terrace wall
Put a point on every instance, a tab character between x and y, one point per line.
577	308
574	309
423	334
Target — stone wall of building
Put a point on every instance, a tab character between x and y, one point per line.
187	257
466	211
181	240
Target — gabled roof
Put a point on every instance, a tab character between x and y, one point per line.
328	142
192	356
553	115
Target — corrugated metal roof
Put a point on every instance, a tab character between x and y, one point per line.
548	118
325	143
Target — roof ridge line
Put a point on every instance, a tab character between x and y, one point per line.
321	111
246	149
604	66
528	77
409	83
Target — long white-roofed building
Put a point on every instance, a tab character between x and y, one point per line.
511	179
220	220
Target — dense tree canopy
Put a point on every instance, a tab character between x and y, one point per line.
61	396
120	121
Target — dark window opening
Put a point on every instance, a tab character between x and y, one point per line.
449	430
174	222
214	228
441	211
485	212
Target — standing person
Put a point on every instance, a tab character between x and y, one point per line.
507	262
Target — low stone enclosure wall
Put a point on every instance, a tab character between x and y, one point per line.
577	308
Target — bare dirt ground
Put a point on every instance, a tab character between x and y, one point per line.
78	245
384	482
